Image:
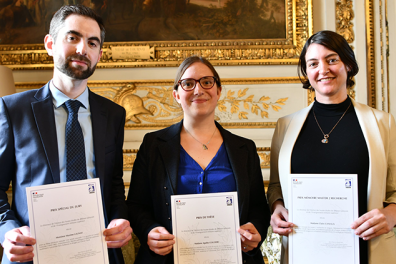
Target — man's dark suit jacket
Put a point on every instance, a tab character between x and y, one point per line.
154	180
29	154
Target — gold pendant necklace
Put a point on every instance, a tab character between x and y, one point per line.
326	136
204	146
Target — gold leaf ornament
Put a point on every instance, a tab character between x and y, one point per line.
264	98
243	115
242	93
276	108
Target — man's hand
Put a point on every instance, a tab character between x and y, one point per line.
118	233
18	244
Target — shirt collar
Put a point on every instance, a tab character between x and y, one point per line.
59	98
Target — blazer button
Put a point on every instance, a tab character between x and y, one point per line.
168	218
165	188
166	203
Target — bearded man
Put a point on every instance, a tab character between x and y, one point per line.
37	131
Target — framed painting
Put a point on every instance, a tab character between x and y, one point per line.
158	33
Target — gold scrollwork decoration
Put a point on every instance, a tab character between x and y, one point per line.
149	104
264	154
129	157
259	106
344	25
344	17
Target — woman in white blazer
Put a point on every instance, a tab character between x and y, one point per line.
335	134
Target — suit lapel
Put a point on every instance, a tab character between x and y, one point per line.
237	156
43	111
375	145
290	137
169	151
99	124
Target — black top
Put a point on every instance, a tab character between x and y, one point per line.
345	153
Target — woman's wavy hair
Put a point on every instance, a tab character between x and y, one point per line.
336	43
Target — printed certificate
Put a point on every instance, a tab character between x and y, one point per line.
323	207
205	227
66	219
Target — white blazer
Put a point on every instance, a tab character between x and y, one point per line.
379	130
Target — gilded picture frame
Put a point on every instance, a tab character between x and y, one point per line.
249	51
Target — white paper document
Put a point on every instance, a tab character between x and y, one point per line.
66	219
205	227
323	207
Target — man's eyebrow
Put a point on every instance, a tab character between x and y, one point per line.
74	33
80	35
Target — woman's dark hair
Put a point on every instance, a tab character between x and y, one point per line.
336	43
58	20
187	63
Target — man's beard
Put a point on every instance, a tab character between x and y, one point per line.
76	72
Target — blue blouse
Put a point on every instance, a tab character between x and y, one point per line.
217	177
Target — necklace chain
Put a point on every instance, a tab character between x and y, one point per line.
204	146
326	136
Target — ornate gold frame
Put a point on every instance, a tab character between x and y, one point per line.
171	53
370	38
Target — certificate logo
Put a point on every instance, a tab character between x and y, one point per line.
37	195
179	202
296	181
91	188
229	201
348	183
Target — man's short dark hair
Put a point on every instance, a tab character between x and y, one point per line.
60	16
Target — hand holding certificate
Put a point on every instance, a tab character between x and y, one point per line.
205	226
66	219
322	207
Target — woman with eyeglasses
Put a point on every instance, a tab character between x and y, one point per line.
195	156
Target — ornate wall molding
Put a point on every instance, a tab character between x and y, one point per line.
344	18
344	26
244	103
370	38
129	156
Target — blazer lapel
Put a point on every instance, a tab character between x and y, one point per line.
290	137
43	111
375	145
169	150
99	123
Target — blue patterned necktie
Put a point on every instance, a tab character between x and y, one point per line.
75	148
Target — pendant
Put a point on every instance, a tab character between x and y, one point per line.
204	147
325	140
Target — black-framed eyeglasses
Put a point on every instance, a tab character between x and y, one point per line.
206	82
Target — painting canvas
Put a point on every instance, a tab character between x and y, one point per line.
27	21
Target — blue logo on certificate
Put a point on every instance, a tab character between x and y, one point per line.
229	201
348	183
91	188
